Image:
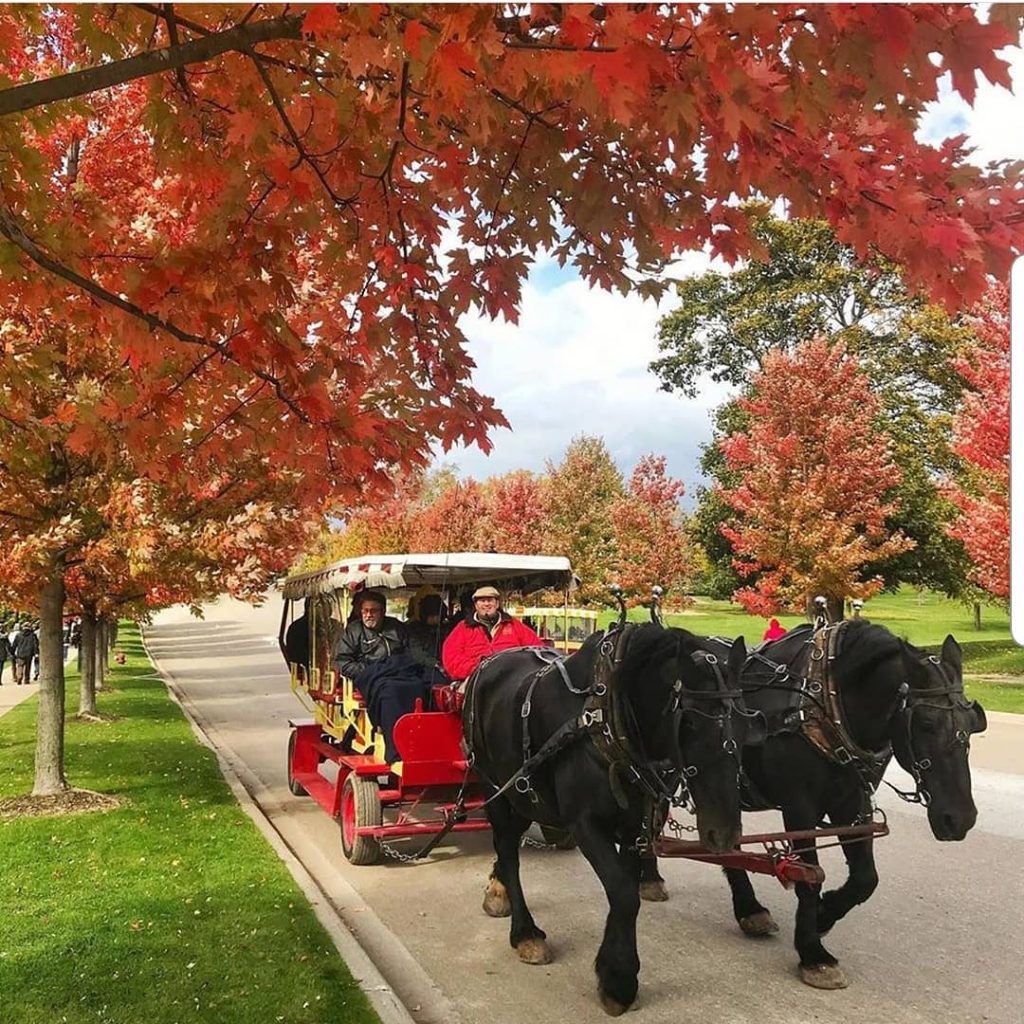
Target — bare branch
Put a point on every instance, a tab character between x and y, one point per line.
172	34
80	83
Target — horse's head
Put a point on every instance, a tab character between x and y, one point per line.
713	728
931	737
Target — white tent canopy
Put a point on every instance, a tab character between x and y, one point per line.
520	573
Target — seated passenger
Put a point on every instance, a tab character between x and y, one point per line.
296	642
373	652
488	630
425	632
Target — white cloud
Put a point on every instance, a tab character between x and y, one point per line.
577	364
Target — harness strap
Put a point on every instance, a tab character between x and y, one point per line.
566	734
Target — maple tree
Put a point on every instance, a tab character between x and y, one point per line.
301	166
816	476
517	513
581	490
650	541
454	521
74	511
982	440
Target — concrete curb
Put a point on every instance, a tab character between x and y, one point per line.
392	979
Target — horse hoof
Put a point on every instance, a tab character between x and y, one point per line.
758	925
829	976
496	901
611	1006
534	951
654	891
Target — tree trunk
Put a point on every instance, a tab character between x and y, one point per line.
977	615
98	652
87	690
113	632
49	774
108	644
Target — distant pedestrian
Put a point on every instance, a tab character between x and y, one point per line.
35	660
774	631
6	654
26	648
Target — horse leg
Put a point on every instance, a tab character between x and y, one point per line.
818	967
617	964
858	887
652	885
524	935
753	919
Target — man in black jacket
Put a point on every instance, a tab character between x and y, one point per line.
373	652
370	636
26	647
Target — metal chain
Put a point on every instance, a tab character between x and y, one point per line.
674	825
390	851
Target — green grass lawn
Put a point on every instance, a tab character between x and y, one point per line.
922	618
171	908
997	696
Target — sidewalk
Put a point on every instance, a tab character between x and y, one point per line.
1000	748
11	695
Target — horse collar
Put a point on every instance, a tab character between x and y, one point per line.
822	714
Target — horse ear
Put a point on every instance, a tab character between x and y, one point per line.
737	657
952	655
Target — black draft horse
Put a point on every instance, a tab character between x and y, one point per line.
892	698
679	718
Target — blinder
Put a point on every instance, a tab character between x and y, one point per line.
979	722
731	703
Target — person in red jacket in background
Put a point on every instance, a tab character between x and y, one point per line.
486	631
774	631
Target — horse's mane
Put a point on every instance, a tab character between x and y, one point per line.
648	642
863	646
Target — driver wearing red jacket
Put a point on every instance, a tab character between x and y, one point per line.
488	630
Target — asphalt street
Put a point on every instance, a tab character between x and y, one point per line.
939	942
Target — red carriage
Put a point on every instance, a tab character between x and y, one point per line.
338	755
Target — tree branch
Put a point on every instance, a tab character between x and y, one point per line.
340	202
13	233
80	83
172	34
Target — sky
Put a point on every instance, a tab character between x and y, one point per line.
576	363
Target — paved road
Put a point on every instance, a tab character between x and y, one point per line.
939	944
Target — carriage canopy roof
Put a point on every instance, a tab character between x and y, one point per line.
522	573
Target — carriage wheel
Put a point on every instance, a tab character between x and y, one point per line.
559	838
360	807
294	787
